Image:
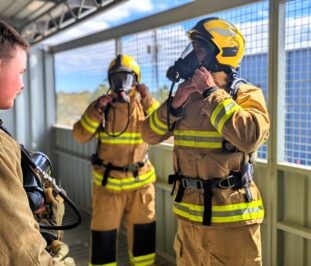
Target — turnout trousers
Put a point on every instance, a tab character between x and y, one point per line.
137	209
199	245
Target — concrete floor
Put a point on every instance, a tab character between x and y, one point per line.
78	241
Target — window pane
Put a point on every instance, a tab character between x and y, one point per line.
298	83
81	76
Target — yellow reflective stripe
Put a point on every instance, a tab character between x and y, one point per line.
154	106
187	215
238	218
164	126
119	184
156	125
89	124
197	144
221	214
106	264
143	260
199	139
121	141
88	128
125	134
223	112
237	206
125	138
197	133
226	117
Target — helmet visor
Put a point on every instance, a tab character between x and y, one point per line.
203	49
122	81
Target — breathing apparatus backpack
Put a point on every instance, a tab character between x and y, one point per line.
42	191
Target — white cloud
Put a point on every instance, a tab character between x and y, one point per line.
74	32
102	21
125	10
92	59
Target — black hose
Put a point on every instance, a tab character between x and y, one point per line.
127	124
168	106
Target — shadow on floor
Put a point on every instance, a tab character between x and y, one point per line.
78	241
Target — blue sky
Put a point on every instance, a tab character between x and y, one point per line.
69	75
124	13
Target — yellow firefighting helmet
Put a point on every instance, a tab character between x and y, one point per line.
225	36
124	63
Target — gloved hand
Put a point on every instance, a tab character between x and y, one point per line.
57	205
102	102
59	251
53	213
143	90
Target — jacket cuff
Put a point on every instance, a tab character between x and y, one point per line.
209	91
176	112
93	113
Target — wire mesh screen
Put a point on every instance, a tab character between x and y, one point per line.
81	77
155	51
253	22
141	47
298	83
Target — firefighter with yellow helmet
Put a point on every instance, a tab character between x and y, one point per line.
218	121
122	174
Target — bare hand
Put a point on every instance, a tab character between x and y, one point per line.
102	102
143	90
202	79
183	91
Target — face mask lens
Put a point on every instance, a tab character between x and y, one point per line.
122	81
187	51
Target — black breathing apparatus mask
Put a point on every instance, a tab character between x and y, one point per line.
122	83
191	59
200	52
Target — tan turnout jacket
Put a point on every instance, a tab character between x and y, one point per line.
198	135
21	243
123	150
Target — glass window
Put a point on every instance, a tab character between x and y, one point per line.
81	77
298	82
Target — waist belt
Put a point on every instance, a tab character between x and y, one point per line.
134	167
235	180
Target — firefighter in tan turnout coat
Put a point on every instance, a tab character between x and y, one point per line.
21	242
218	122
122	173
